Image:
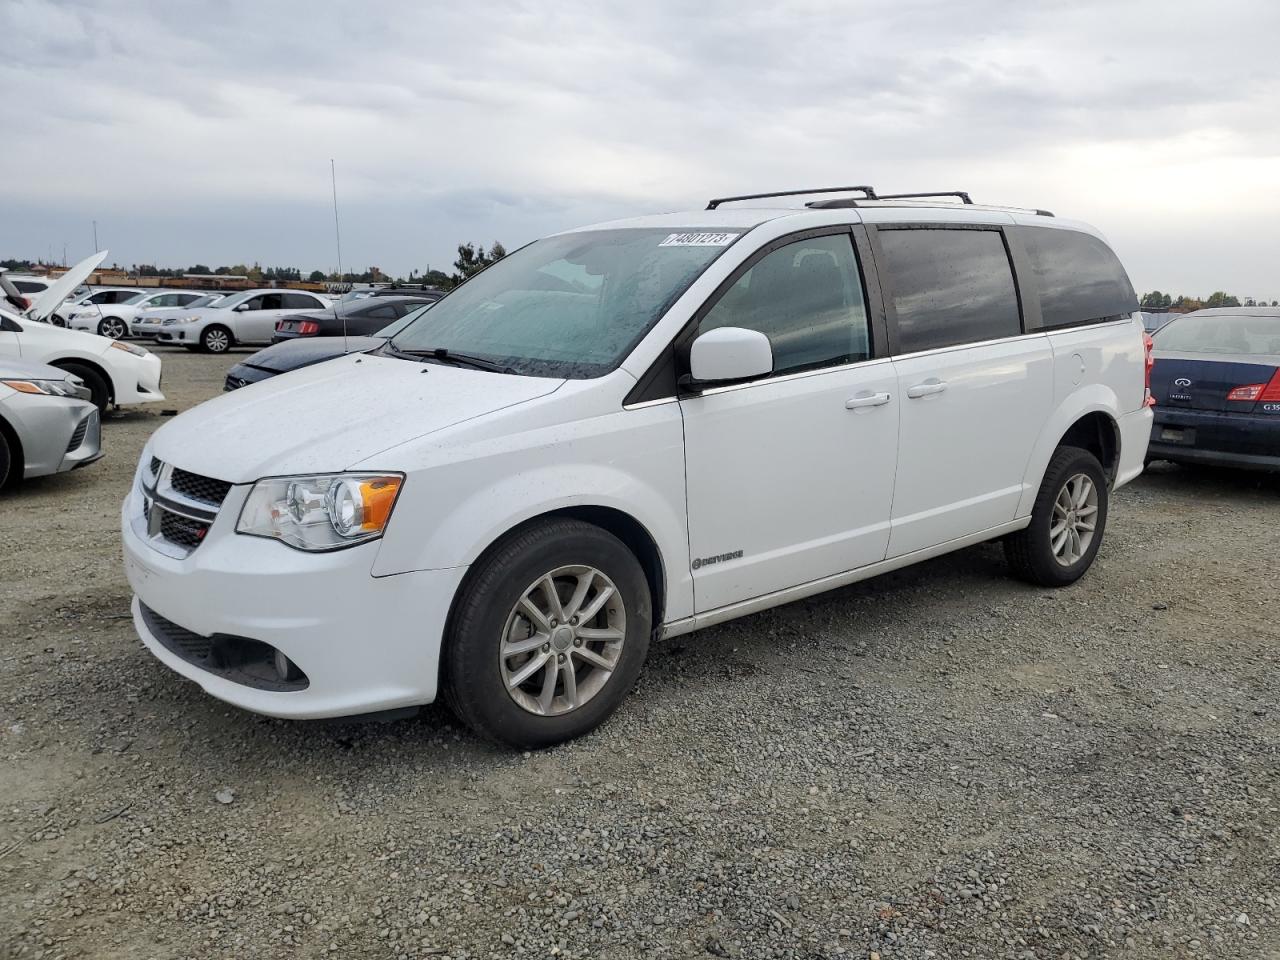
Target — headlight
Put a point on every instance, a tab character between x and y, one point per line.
326	512
185	319
128	348
50	388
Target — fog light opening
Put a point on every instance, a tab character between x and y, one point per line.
285	668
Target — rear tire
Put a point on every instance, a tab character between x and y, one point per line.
113	328
576	678
1067	522
216	340
97	385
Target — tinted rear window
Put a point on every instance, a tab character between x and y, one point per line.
1080	279
1221	334
949	287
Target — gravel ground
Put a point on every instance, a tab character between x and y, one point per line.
939	763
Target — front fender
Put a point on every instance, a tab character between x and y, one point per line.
451	512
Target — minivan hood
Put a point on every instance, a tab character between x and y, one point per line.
64	286
330	416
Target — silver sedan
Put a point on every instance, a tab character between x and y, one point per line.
47	423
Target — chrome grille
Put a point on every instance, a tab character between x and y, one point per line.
205	489
181	530
178	507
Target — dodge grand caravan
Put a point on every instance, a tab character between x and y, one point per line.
634	430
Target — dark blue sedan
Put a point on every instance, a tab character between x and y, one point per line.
1216	383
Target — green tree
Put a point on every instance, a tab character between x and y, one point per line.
316	276
1221	299
472	259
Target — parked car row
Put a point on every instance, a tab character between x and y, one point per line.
55	383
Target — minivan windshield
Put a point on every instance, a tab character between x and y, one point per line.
1240	334
570	306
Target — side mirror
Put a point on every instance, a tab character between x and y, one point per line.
730	353
240	307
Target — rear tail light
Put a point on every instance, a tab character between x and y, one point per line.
1271	393
308	327
1250	392
1148	346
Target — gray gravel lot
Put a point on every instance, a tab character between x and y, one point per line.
939	763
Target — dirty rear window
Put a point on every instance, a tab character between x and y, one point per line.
569	306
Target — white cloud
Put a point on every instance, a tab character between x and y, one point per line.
197	131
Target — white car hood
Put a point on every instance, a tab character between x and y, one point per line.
65	285
332	415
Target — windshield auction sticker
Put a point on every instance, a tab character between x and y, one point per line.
699	240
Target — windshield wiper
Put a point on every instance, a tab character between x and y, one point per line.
444	355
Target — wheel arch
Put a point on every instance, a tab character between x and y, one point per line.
1087	418
17	457
99	369
1099	433
635	536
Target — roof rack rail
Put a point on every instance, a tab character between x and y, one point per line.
869	193
964	197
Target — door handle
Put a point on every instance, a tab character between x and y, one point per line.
927	389
866	400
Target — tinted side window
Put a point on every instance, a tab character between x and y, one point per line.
119	296
807	299
385	311
299	301
182	299
949	287
28	286
1081	280
271	301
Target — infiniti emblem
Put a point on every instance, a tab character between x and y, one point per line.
1182	382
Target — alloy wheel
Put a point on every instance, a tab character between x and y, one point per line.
562	640
114	328
1074	520
216	341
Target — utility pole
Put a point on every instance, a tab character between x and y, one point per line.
96	248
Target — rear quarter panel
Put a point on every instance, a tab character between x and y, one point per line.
1097	368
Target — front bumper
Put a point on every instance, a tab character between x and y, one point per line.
135	379
1247	440
365	643
57	434
144	329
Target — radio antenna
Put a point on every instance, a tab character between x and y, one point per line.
337	236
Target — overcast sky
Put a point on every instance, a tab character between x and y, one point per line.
202	131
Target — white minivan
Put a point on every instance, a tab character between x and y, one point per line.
636	430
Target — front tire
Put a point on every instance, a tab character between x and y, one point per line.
548	635
6	463
113	327
97	385
1067	522
215	340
